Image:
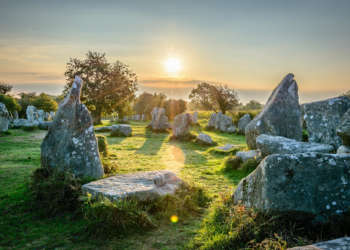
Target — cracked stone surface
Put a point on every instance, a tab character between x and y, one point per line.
142	185
337	244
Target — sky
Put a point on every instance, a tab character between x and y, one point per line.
247	45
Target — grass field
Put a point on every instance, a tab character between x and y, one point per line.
21	227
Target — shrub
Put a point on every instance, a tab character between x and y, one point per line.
106	218
55	192
102	144
305	135
232	163
108	167
230	226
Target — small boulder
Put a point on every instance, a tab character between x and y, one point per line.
121	130
70	144
103	129
311	183
159	120
204	139
281	114
4	118
343	150
269	144
337	244
18	123
343	129
226	147
243	122
323	117
250	154
141	185
181	125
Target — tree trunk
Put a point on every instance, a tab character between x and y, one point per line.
96	117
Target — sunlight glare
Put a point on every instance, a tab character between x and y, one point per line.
172	65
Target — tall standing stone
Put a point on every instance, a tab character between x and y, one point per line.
243	122
194	118
181	125
323	117
281	115
159	119
4	118
32	114
41	115
70	144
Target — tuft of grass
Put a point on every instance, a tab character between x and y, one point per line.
5	133
102	145
230	226
109	167
55	193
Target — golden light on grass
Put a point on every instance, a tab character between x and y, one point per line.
174	219
172	65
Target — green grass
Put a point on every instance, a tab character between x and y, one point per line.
21	227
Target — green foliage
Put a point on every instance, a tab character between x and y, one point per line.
230	226
252	105
5	88
45	102
10	103
109	168
174	107
55	193
214	97
249	165
232	163
107	87
305	136
30	128
146	102
102	145
239	114
106	218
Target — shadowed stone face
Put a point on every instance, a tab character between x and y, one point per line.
70	144
281	115
4	118
343	129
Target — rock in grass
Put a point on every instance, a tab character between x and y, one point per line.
70	144
269	144
44	125
343	150
281	115
243	122
221	122
204	139
121	130
4	118
343	129
337	244
322	119
103	129
159	120
181	125
142	185
250	154
226	147
313	183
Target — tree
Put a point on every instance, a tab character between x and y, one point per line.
107	87
146	102
174	107
252	105
45	102
347	94
10	103
25	100
214	97
5	88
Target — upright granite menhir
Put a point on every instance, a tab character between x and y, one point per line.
70	144
281	115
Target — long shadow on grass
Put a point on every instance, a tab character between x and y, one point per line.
152	144
192	157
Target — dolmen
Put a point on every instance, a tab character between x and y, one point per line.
70	144
280	116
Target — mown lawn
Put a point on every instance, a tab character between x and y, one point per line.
21	227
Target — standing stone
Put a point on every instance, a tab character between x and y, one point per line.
32	115
52	115
194	118
159	119
322	119
224	123
343	129
70	144
281	115
309	182
4	118
41	115
269	144
212	120
15	115
181	125
243	122
142	117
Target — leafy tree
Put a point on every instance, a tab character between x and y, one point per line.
5	88
107	87
146	102
214	97
45	102
252	105
347	94
10	103
25	100
174	107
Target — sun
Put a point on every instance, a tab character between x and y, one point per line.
172	65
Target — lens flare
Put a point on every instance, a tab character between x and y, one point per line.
174	219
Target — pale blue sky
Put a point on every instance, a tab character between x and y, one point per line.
249	45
